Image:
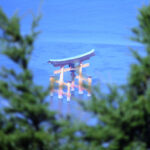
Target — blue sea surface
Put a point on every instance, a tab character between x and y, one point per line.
70	28
73	27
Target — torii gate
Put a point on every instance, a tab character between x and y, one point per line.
70	85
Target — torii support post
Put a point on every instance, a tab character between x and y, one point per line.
89	85
80	79
60	91
72	70
52	80
68	91
72	85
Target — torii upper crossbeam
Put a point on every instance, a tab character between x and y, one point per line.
72	60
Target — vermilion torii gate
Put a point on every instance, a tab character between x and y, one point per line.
71	84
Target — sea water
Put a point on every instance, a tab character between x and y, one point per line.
73	27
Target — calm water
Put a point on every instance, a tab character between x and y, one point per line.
72	27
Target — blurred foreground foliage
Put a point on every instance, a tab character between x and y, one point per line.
26	123
123	115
